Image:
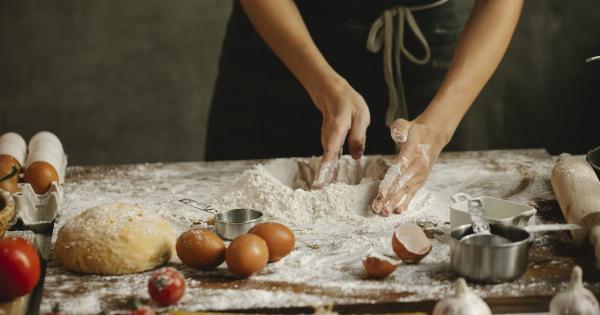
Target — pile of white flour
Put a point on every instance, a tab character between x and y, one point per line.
280	188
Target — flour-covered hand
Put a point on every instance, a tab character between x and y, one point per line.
420	145
345	115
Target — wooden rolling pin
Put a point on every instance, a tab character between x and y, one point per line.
577	189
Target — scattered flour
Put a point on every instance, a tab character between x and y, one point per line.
335	228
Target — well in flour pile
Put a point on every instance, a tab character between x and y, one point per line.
280	188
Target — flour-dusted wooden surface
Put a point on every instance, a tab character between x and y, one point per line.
325	266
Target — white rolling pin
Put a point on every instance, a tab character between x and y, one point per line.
577	190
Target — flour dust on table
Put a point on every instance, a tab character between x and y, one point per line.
334	228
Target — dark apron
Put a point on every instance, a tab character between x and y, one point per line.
259	110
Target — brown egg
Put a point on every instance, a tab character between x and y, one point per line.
40	175
200	249
380	266
10	184
5	158
247	254
410	243
279	238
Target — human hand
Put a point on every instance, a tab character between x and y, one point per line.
345	114
420	144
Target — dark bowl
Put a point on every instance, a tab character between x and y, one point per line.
593	157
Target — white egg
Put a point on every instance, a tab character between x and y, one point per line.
47	145
44	135
14	145
14	138
13	149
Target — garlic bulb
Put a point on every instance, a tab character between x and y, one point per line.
575	300
464	302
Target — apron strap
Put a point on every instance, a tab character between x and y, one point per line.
382	34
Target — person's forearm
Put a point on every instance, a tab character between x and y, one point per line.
481	47
280	24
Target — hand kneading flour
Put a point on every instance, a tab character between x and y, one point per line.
281	189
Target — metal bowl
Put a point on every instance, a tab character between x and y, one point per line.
593	157
230	224
490	263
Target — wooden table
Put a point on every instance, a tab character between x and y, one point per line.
520	175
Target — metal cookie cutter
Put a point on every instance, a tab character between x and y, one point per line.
229	223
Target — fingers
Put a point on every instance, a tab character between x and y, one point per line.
400	200
393	174
358	134
333	136
326	174
399	130
397	187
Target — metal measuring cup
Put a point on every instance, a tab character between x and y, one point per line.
479	260
229	223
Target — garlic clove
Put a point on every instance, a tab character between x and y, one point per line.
463	302
410	243
380	266
575	299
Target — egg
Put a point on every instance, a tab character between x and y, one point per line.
10	161
10	184
279	238
48	146
40	175
13	145
52	158
410	243
44	135
200	249
14	138
247	254
380	266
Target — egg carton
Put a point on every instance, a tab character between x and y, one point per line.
38	212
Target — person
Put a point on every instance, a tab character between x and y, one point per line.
366	66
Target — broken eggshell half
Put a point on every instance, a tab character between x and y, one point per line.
410	243
380	266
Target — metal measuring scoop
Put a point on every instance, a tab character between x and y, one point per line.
229	224
481	228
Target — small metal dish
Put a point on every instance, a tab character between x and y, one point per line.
490	263
593	157
229	224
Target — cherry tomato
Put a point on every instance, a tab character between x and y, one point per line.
19	268
166	286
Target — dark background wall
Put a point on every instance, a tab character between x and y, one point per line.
131	80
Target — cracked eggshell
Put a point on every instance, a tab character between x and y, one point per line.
379	266
410	243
